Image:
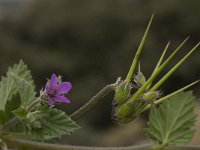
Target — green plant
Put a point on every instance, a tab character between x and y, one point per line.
24	115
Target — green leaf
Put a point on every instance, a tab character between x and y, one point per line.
47	123
11	105
172	123
7	86
26	90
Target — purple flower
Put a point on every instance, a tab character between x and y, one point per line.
55	90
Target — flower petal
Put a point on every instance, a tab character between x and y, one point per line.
53	81
47	88
64	87
61	99
50	101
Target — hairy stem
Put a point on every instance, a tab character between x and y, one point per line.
19	142
34	103
94	100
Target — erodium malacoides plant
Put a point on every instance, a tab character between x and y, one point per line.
31	122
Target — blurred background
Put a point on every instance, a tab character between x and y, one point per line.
91	43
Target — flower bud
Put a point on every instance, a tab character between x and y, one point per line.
139	79
151	96
36	125
124	110
128	112
33	120
122	91
43	96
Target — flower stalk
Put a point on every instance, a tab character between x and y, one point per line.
93	101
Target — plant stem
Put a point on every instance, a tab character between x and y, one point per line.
157	147
18	142
93	101
34	103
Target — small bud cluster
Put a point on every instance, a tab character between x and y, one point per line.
124	111
139	79
151	96
33	120
122	91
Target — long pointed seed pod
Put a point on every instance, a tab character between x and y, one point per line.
169	73
132	69
156	73
160	60
162	56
